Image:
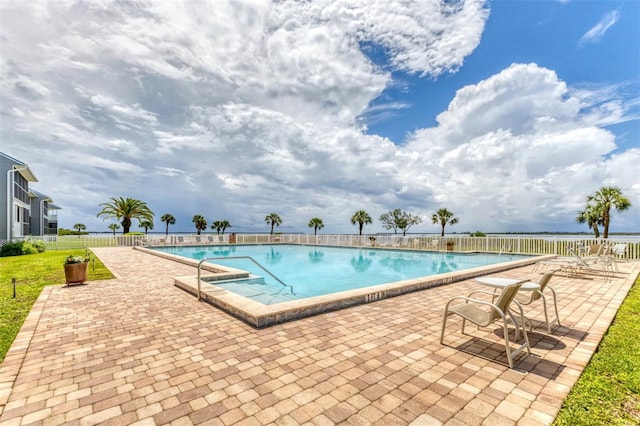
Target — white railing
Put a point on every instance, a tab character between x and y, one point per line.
491	244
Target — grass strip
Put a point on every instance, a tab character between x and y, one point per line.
608	391
32	272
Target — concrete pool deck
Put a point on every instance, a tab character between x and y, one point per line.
138	350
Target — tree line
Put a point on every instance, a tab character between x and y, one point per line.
596	213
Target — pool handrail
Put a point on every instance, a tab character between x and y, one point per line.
240	257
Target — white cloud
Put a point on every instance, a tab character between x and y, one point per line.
237	109
596	32
520	148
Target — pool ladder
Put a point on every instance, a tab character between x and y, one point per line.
239	257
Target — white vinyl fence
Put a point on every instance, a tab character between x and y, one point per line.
491	244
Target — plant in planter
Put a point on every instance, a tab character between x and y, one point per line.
373	241
450	244
75	269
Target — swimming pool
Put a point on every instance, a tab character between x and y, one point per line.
215	277
301	272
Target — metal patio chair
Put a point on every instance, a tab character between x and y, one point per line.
483	314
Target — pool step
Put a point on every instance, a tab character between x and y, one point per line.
255	287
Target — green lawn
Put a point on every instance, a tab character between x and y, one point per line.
32	273
608	391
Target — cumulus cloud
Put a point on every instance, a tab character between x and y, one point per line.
519	148
234	110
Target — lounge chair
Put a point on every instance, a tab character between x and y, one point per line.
618	251
528	297
576	264
483	313
582	249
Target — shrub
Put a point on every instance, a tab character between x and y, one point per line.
478	234
19	248
39	245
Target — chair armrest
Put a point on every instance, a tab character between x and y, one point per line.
490	293
470	300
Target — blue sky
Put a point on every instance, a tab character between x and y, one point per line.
508	113
548	33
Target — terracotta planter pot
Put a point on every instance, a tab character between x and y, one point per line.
75	273
450	247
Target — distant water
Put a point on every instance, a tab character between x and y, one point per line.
629	238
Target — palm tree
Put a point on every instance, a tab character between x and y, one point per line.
444	217
200	222
220	226
114	227
79	227
273	219
592	216
225	224
146	224
361	217
316	223
126	209
217	225
605	198
168	217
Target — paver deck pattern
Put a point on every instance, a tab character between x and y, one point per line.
138	350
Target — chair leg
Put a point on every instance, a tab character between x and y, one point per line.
506	342
515	323
555	305
526	344
544	309
444	324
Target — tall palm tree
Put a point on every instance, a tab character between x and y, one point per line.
273	219
126	209
168	217
200	222
79	227
592	216
225	224
316	223
146	224
220	226
362	218
114	227
605	198
444	217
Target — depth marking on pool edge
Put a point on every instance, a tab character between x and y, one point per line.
372	297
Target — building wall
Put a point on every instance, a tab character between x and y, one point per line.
40	216
15	198
5	165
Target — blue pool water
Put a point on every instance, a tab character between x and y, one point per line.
309	271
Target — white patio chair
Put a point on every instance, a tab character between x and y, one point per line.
528	297
483	313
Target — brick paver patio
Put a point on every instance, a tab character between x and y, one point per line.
138	350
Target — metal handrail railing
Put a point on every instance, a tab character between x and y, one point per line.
240	257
